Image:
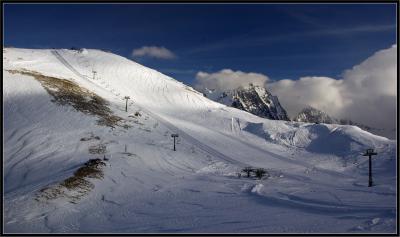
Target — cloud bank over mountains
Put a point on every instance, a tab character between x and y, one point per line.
228	79
366	93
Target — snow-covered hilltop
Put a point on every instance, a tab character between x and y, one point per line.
253	99
76	161
313	115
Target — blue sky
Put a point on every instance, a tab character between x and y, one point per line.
282	41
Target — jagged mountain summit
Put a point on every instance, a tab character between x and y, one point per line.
313	115
253	99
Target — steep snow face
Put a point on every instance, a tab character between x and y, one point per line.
313	115
147	187
253	99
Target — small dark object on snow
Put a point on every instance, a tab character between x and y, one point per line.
260	172
248	170
105	158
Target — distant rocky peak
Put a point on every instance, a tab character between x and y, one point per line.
313	115
251	98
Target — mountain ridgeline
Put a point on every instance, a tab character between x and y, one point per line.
259	101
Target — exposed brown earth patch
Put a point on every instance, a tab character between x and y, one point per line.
76	186
66	92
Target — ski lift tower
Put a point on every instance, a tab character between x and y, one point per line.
94	74
370	152
175	135
126	105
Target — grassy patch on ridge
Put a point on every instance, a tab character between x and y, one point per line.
66	92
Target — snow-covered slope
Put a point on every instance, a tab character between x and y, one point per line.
57	116
253	99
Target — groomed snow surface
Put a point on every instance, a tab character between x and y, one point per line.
318	179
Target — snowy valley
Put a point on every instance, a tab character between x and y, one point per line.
75	161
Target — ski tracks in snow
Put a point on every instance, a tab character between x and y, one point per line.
169	125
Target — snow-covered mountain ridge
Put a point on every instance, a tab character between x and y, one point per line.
313	115
145	186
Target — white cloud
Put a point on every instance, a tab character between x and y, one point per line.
320	92
227	79
366	93
153	52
